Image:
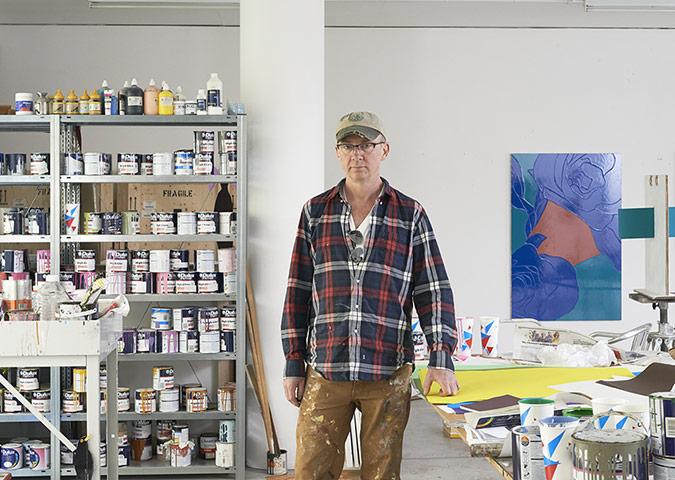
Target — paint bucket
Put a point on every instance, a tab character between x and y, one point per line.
208	319
117	283
186	282
102	378
159	318
93	223
180	434
169	400
180	456
13	261
36	221
209	342
11	456
228	318
73	401
160	261
123	455
102	454
276	463
204	164
12	222
127	342
207	222
225	221
209	282
188	341
183	162
66	454
165	282
226	397
162	223
227	341
128	163
630	412
179	260
142	428
146	164
123	395
131	223
141	449
28	379
196	400
43	258
207	446
167	341
204	141
664	468
104	403
556	435
226	431
225	454
162	378
528	458
227	260
205	260
145	400
183	318
140	283
116	261
534	409
41	400
73	164
85	260
11	404
15	163
187	223
162	163
662	420
39	164
140	261
112	223
604	405
80	380
39	456
97	163
145	341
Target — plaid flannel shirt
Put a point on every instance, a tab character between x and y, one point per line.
352	321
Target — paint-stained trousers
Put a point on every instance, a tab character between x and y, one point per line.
325	414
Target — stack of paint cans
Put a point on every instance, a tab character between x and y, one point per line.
14	261
662	431
180	448
164	435
116	268
25	221
227	150
227	266
141	442
14	163
163	383
204	152
226	443
85	267
207	445
112	223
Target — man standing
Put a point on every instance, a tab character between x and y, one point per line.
364	253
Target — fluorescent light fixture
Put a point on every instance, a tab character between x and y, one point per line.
163	3
630	5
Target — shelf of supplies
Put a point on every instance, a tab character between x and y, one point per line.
177	297
167	179
21	417
159	357
9	180
216	121
24	123
211	414
211	237
24	238
156	466
27	472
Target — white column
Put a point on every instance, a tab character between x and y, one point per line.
282	86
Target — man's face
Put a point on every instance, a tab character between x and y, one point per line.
360	165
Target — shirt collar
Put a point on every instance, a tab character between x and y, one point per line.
338	189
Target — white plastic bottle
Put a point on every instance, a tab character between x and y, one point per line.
201	102
214	91
48	296
179	102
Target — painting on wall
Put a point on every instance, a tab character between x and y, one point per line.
565	246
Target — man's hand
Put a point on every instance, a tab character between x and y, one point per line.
294	388
445	378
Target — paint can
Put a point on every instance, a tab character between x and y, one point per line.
103	407
188	341
11	404
15	163
165	283
146	164
73	164
39	164
68	280
227	260
116	261
11	456
609	454
196	400
160	261
204	141
187	223
142	428
180	434
276	463
191	107
93	223
43	258
209	282
184	317
204	163
226	430
141	449
112	223
159	318
180	456
39	456
36	221
41	400
224	454
207	222
183	161
140	283
123	402
145	400
131	223
662	420
664	468
128	163
117	283
164	431
66	454
29	379
72	401
205	260
97	163
162	378
226	397
80	380
207	445
167	341
183	391
140	261
227	341
225	221
102	378
179	260
123	455
13	261
85	260
186	282
168	400
162	223
208	319
12	222
228	318
127	342
23	103
85	279
227	141
145	341
209	342
528	458
162	163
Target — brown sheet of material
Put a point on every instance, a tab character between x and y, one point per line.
502	401
657	377
346	475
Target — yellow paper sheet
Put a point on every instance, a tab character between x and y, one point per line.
478	385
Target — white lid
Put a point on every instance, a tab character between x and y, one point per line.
201	91
178	89
152	82
126	84
214	75
105	83
165	86
52	278
134	82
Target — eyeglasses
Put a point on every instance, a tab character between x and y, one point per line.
357	238
364	147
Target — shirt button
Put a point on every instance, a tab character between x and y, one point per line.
356	306
356	331
358	281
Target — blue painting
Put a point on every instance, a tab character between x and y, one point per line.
565	246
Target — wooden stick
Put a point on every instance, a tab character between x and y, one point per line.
256	383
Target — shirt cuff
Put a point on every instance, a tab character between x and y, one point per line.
441	359
295	368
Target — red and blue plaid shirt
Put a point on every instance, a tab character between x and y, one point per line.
352	321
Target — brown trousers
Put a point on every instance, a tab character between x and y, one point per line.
325	414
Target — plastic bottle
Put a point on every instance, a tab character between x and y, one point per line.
94	103
58	104
165	100
201	102
72	103
151	99
48	296
134	99
179	102
84	104
122	100
108	99
214	92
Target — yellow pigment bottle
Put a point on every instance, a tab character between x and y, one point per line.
58	104
72	103
94	103
165	100
84	104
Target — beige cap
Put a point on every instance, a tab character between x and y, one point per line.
365	124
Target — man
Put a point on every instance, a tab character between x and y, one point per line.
363	253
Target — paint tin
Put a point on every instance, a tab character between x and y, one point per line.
162	223
97	163
145	400
179	260
141	449
160	261
594	453
209	282
41	400
183	391
208	319
68	280
145	341
168	400
205	260
227	141
204	141
276	463
209	342
15	163
196	400
162	378
228	318
102	378
188	341
186	282
226	397
11	456
73	164
162	163
180	434
127	342
117	283
112	223
140	261
29	379
39	456
123	455
102	454
36	221
85	260
528	457
23	103
191	107
183	318
12	222
664	468
227	341
93	223
80	380
140	283
11	404
183	161
39	164
66	454
204	163
167	341
128	163
142	429
226	431
225	221
13	261
662	420
207	222
131	223
43	258
116	261
224	454
180	456
164	429
123	396
187	223
165	283
146	164
159	318
227	260
207	445
85	279
72	401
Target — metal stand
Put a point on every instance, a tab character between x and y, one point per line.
664	338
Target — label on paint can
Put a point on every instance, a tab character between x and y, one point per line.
207	222
227	341
228	318
163	378
204	141
183	161
145	400
93	223
112	223
11	404
140	261
167	341
160	261
186	282
39	164
162	223
205	260
73	164
11	456
36	221
140	282
41	400
226	431
12	222
209	282
225	218
28	379
39	456
116	261
208	319
123	395
128	163
131	223
162	163
207	446
184	317
187	223
85	260
204	163
188	341
145	341
146	164
97	163
225	454
159	318
179	260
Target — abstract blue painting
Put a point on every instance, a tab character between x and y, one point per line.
565	246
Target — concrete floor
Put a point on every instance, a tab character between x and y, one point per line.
428	453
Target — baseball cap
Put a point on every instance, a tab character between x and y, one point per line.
365	124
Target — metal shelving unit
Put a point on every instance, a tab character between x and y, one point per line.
147	238
160	467
157	357
25	239
168	179
178	297
8	180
